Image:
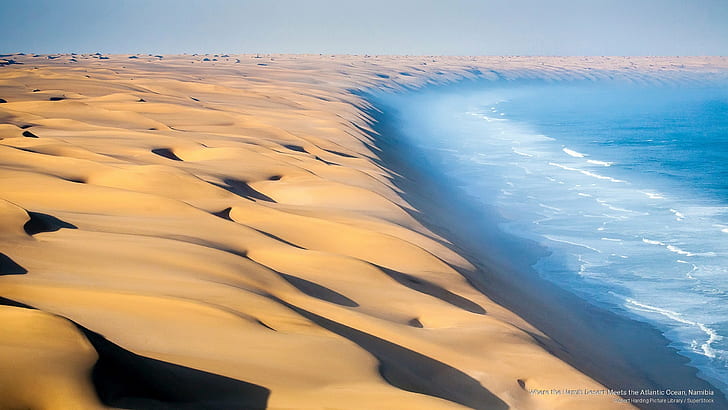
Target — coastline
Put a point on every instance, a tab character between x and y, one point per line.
235	222
621	353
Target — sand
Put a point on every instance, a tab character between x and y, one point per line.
221	232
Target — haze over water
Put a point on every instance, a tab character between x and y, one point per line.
626	185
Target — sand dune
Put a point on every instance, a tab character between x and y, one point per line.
219	232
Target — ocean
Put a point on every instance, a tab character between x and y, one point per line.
625	184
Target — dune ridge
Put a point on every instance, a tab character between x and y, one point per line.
218	232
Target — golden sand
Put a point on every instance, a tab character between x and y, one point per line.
226	223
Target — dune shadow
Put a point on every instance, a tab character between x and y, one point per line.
341	154
166	153
10	267
277	238
324	161
243	190
126	380
224	214
45	223
433	290
411	371
317	291
14	303
296	148
415	322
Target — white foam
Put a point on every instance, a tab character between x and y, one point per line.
587	173
550	207
611	239
573	153
678	216
653	195
689	274
615	208
523	154
485	117
551	238
675	249
705	348
602	163
544	137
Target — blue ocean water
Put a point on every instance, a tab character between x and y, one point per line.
626	185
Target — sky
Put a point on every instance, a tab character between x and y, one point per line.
407	27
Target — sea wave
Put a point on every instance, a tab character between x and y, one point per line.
602	163
705	348
585	172
573	153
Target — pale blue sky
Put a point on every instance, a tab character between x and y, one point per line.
424	27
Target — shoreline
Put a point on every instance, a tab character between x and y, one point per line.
617	351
